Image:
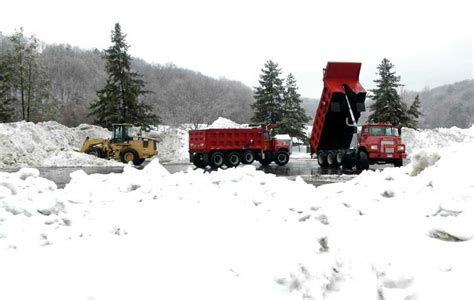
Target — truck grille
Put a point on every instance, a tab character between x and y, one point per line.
387	149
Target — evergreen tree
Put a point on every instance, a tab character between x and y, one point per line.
293	116
414	113
269	95
118	101
388	106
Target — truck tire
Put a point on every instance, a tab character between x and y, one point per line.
322	159
340	158
398	163
332	160
95	151
248	157
265	161
216	160
129	155
362	161
232	160
282	158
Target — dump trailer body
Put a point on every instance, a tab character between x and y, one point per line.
209	140
231	146
330	127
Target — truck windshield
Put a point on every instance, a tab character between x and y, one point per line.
383	130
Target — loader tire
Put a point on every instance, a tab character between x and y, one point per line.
130	155
138	161
97	152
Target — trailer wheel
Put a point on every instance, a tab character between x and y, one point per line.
232	160
362	161
282	158
322	159
128	155
248	157
398	163
217	160
332	160
97	152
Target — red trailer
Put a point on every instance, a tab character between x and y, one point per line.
231	146
335	124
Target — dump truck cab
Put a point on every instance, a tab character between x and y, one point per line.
382	143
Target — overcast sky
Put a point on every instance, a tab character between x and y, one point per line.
429	42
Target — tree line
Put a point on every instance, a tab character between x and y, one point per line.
72	76
74	86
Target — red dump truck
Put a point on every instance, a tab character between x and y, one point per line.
340	106
231	146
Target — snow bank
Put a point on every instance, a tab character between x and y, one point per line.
52	144
397	233
46	144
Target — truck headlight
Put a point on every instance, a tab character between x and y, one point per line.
401	148
374	147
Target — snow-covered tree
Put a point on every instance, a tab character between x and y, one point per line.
119	101
29	79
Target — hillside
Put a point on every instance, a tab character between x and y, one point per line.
448	105
178	95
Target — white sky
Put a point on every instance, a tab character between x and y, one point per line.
429	42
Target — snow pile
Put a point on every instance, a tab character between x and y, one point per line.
435	138
225	123
397	233
46	144
172	143
50	144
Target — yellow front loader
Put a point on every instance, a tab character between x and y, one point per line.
122	146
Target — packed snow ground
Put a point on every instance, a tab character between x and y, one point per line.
397	233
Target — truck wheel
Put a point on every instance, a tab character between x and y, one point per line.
398	163
248	157
332	160
265	161
216	160
232	160
362	161
282	158
322	159
95	152
129	155
340	157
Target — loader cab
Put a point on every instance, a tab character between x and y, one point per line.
121	133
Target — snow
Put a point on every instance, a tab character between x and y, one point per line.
50	144
396	233
225	123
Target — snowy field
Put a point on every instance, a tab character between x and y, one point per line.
397	233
